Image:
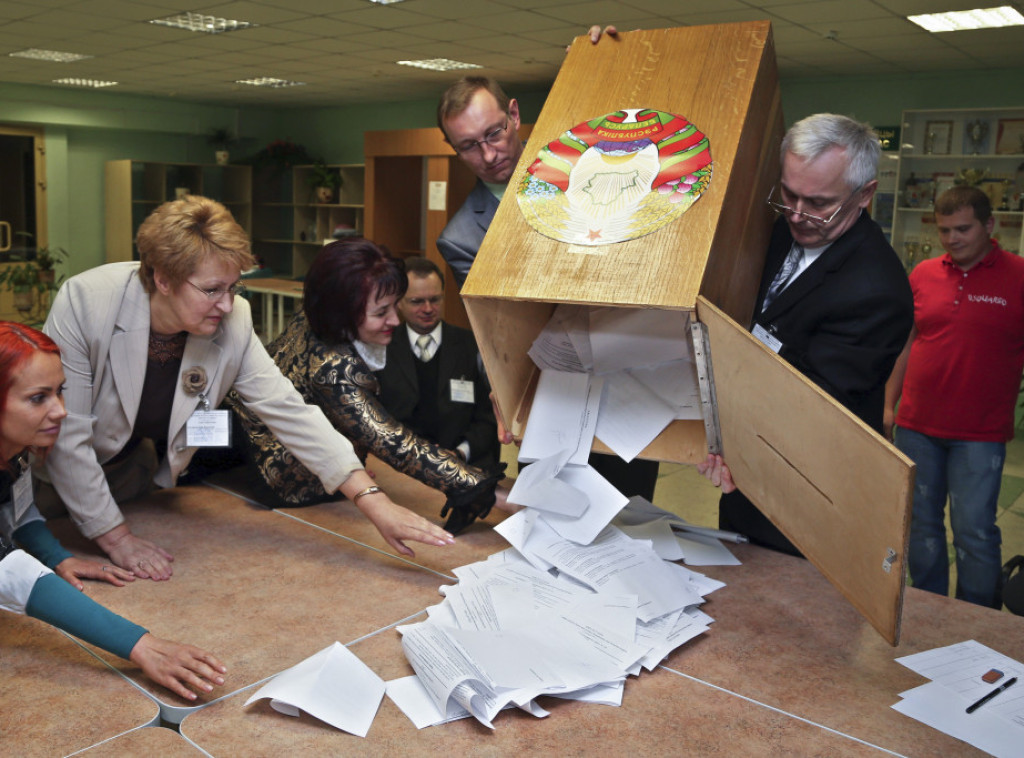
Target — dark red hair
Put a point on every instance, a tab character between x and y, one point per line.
17	344
341	281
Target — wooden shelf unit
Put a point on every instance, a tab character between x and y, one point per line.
134	189
935	152
290	226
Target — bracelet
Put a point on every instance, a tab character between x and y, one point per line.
368	491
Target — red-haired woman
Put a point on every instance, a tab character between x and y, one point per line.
32	579
329	352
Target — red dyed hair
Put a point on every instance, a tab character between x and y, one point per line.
17	344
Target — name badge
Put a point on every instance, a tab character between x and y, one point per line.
21	492
766	338
208	429
462	391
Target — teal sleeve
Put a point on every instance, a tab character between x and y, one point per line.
58	603
39	542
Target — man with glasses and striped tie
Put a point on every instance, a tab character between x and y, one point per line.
834	299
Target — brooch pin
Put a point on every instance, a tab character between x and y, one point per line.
193	381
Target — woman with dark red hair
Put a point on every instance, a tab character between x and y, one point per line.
37	580
329	351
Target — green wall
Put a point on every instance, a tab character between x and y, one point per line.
85	129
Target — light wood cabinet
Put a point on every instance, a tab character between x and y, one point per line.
291	225
938	148
133	189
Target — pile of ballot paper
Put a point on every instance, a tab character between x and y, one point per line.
554	617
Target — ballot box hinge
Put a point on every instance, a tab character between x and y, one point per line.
706	382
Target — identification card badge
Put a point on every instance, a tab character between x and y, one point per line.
462	391
766	338
206	428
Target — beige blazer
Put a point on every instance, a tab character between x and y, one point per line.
100	320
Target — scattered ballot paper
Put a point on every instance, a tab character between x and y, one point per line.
333	686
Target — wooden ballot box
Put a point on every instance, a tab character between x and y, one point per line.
830	483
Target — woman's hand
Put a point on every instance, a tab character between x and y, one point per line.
141	557
715	471
72	569
396	524
183	669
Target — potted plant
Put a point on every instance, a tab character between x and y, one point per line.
221	139
46	262
324	180
22	279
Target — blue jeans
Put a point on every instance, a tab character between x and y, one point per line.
970	473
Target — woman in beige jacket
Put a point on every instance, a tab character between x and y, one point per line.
145	346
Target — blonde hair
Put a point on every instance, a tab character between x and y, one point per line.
180	235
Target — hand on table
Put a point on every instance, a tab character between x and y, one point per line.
715	471
141	557
72	569
397	524
183	669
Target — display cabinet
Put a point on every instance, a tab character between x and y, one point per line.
133	189
941	148
292	222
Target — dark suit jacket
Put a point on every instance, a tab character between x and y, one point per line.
473	422
461	238
845	319
842	324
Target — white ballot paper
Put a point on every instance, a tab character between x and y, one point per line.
631	415
632	338
538	486
564	415
563	344
333	686
956	671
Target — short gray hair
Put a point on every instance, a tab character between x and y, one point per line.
812	136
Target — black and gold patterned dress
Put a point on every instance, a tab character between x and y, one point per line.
335	378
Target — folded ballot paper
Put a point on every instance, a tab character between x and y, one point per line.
333	686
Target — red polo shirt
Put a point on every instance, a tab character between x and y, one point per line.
965	364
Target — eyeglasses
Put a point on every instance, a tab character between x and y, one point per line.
785	210
213	295
491	138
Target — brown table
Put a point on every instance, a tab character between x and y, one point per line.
788	667
274	291
56	697
147	742
259	589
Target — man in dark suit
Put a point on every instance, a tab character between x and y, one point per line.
432	380
834	299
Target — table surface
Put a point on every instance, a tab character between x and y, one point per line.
56	697
274	286
788	667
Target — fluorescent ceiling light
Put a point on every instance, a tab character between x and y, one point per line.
385	2
197	22
979	18
269	81
438	64
94	83
54	56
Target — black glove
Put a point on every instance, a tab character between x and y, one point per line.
474	503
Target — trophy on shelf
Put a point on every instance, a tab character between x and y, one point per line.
909	253
977	133
971	176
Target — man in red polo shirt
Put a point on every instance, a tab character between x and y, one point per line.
959	376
